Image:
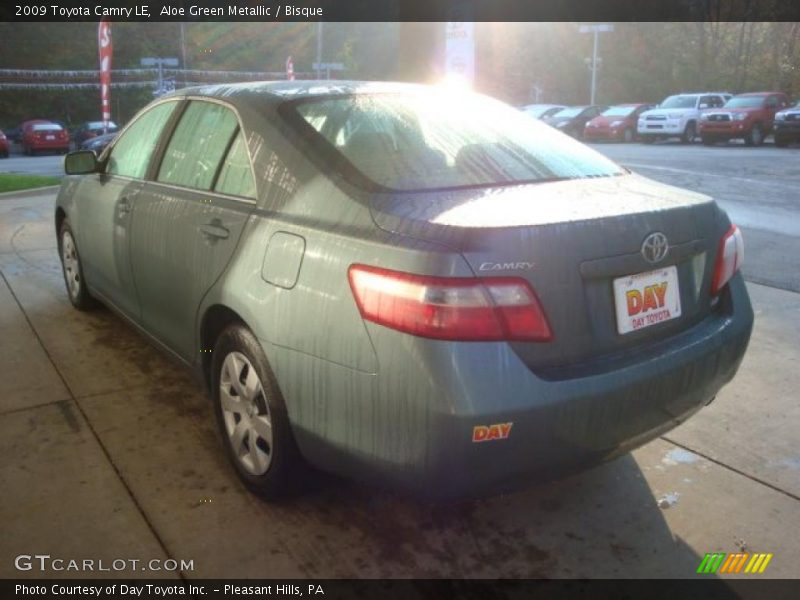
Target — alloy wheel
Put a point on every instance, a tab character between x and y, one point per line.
246	414
72	272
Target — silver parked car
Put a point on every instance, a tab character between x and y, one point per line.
405	284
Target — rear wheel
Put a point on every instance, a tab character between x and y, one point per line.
755	137
689	133
252	417
627	136
72	268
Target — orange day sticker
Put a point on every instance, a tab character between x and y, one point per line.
487	433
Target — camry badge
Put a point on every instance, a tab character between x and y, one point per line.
655	247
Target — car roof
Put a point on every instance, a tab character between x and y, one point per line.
275	92
760	93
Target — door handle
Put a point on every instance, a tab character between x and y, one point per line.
214	230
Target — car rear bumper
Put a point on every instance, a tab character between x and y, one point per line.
411	425
55	145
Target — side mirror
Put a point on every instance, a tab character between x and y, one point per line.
80	162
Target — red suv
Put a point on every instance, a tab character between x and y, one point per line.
44	136
746	116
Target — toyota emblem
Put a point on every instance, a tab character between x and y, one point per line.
655	247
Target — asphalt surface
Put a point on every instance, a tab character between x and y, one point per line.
45	164
109	450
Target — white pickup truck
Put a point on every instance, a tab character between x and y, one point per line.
677	116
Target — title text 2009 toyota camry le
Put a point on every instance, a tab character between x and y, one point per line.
404	284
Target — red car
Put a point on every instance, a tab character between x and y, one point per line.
615	124
746	116
3	145
41	136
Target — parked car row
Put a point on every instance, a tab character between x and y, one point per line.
42	135
713	116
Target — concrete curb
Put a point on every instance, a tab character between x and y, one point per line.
31	191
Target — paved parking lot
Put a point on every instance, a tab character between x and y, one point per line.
109	449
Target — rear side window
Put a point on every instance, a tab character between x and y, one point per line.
236	176
197	146
132	151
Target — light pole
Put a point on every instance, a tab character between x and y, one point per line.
319	50
596	29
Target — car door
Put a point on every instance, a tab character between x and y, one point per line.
189	217
105	202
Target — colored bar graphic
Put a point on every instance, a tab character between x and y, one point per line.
720	562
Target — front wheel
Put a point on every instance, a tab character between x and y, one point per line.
627	136
755	137
689	133
252	417
72	268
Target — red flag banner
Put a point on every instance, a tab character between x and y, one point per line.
289	69
105	49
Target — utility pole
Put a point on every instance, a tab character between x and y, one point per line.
319	50
596	29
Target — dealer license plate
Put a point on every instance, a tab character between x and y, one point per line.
646	299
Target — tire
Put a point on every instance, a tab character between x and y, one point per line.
627	135
689	133
255	431
755	137
708	140
72	269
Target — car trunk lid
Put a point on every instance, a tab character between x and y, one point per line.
571	240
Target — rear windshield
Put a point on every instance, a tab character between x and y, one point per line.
745	102
619	111
46	127
679	102
539	111
439	140
569	112
96	125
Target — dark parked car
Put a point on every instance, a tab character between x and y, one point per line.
787	126
572	120
403	283
92	129
4	145
746	116
41	137
98	143
615	124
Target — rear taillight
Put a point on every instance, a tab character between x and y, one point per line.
450	308
729	258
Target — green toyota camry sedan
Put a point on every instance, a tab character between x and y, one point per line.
409	285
